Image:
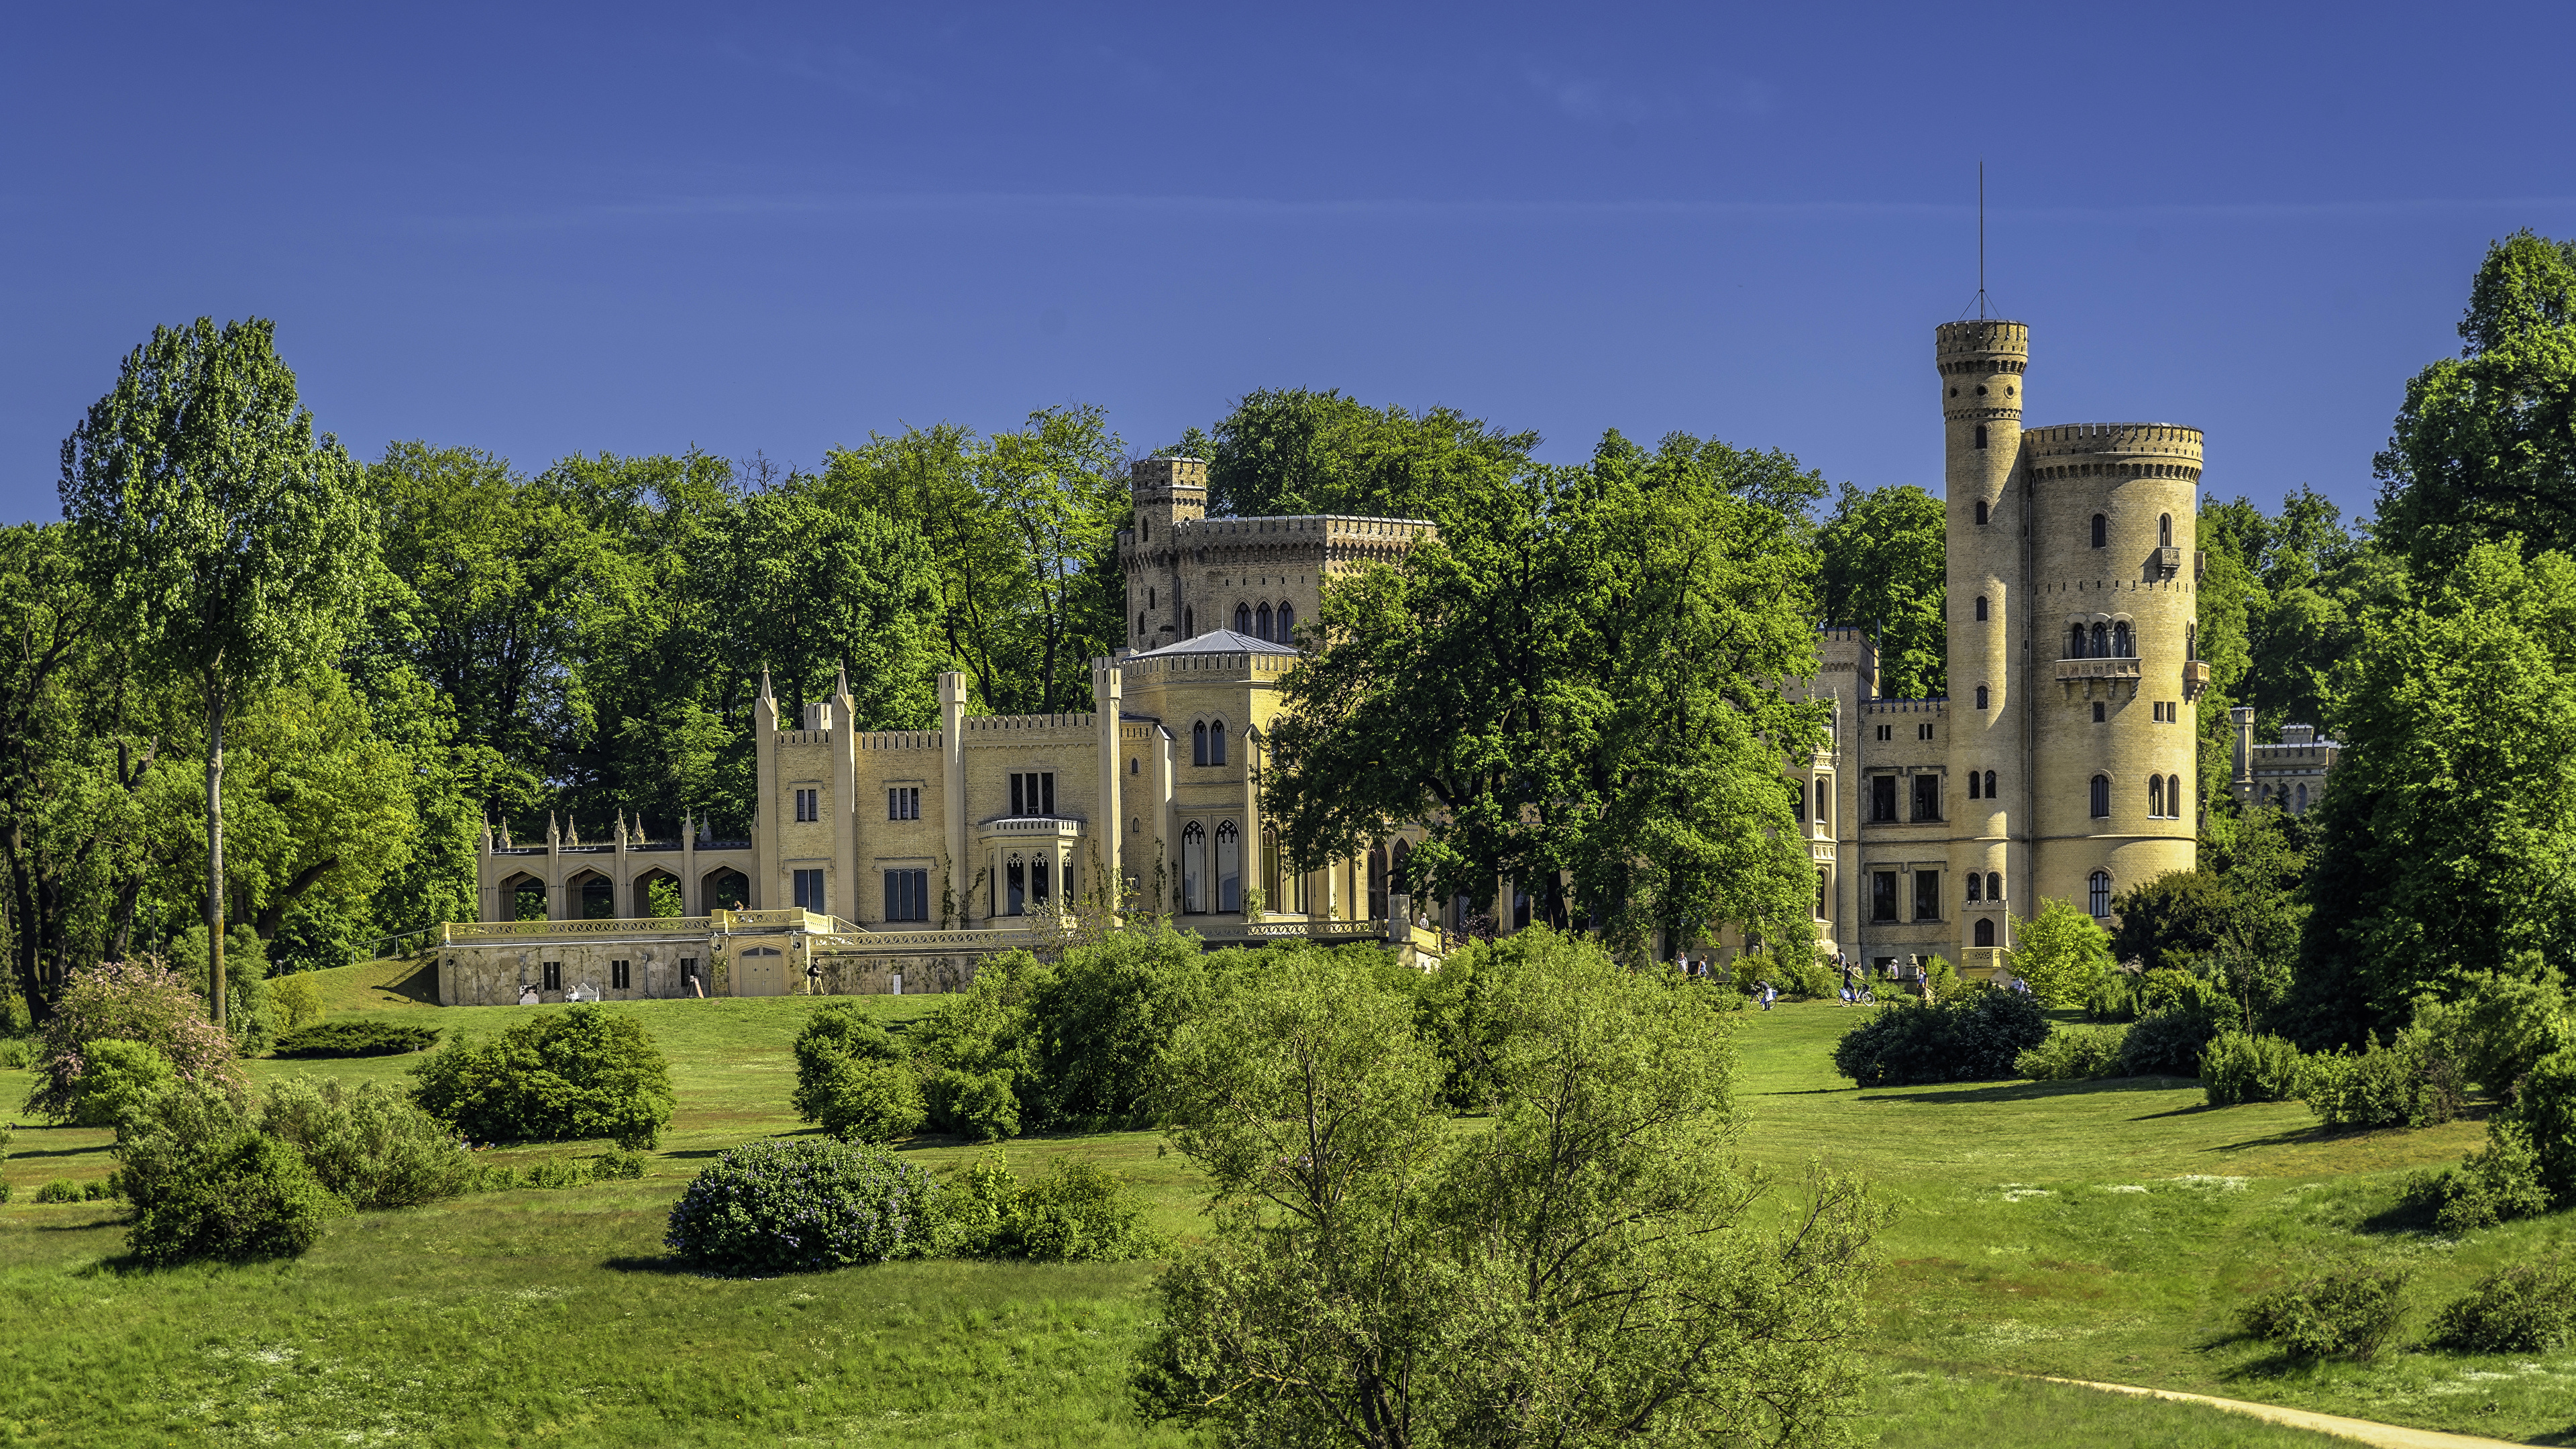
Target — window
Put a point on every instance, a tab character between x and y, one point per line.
617	976
1193	868
1822	914
1985	930
1149	599
1824	800
1216	743
809	805
1015	887
1140	626
1927	797
1198	743
1981	696
1041	881
2100	712
2164	530
1994	885
1882	797
1923	731
2101	641
1972	785
1887	732
907	895
1976	887
1798	800
2101	800
1882	895
554	976
2098	891
1981	518
1033	794
2173	795
1927	895
2075	642
903	802
1243	618
2120	642
1990	784
2191	641
1981	607
2156	796
1261	622
1189	623
1287	624
1229	867
1981	435
1135	766
2302	808
809	892
2101	531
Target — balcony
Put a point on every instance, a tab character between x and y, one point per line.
2195	678
2071	670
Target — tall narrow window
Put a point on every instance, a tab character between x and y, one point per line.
2101	800
1981	435
1927	797
1981	510
1287	623
1990	784
2075	641
2302	807
809	892
1189	623
1041	881
1194	869
2156	796
1976	887
1824	801
1198	743
1981	696
1798	800
1882	797
2098	708
2101	531
1882	895
1216	743
2097	891
2173	794
1973	793
2122	642
554	976
1261	622
2191	641
807	805
1015	887
1927	895
1268	873
1981	608
1377	875
1229	867
1243	618
1140	626
619	975
2164	530
2101	641
1994	885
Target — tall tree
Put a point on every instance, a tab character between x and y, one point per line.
1292	451
232	541
1886	570
2485	444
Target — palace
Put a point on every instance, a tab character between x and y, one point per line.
2062	765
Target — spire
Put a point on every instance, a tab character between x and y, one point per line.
841	681
765	692
554	833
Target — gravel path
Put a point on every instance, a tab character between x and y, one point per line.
2386	1436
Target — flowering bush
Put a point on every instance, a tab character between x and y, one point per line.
136	1001
791	1207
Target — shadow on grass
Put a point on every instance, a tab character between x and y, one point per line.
62	1151
2025	1091
421	985
661	1264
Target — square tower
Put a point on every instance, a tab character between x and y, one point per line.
1170	496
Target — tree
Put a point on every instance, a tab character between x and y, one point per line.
1285	451
2484	447
230	539
2445	847
1576	685
2061	952
1592	1270
807	592
1885	570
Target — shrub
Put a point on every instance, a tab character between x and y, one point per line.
2237	1068
61	1189
2526	1308
206	1185
2167	1043
2401	1083
980	1105
357	1039
17	1054
117	1080
980	1041
2544	1112
1076	1212
852	1080
1974	1037
559	1172
2073	1055
971	1217
297	1000
1102	1019
2062	953
2502	1027
773	1206
368	1145
4	1194
619	1164
563	1076
2497	1183
2117	996
137	1001
2347	1313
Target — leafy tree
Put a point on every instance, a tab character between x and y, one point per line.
2484	448
1593	1270
2061	952
805	591
2444	845
1886	570
1574	681
229	538
1287	451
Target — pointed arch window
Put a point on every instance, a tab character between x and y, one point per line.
2156	796
1198	743
1243	618
1229	867
2101	641
2101	531
1216	743
1194	863
2173	796
2122	642
1994	885
1985	930
1261	622
2075	641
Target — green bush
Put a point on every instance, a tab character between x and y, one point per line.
2497	1183
2116	996
206	1184
2526	1308
2237	1068
852	1080
1976	1036
2544	1112
61	1189
619	1164
17	1054
563	1076
369	1145
248	1012
1073	1213
982	1040
2503	1026
2073	1054
117	1080
1103	1017
2348	1313
136	1001
773	1206
357	1039
2403	1082
297	1000
979	1105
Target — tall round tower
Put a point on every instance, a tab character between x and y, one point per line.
2112	627
1982	365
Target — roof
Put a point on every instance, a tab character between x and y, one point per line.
1218	641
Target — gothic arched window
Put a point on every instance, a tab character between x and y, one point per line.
2156	795
2075	641
2101	798
1261	622
2173	795
2120	642
2101	641
1985	930
1286	624
1976	887
2164	530
1198	743
2098	893
1229	867
1216	743
1194	868
1243	618
1994	885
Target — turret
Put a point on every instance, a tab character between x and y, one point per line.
1168	494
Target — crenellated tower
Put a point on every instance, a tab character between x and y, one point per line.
1982	367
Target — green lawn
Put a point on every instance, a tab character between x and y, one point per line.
2101	1231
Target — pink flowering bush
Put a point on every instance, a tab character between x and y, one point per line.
138	1001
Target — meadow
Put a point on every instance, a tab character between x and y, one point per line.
2099	1230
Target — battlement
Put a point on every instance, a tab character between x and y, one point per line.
899	740
1165	476
1984	345
2162	440
992	724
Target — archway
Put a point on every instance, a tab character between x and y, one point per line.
594	894
523	898
725	889
657	893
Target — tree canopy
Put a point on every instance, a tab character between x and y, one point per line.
1885	569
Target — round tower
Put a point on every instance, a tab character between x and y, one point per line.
1982	364
2111	674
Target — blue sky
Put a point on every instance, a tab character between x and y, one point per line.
550	229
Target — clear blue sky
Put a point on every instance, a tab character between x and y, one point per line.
546	229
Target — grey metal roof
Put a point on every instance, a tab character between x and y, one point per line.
1219	641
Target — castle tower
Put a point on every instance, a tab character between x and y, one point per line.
2109	624
1981	366
1168	493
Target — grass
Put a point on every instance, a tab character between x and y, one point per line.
2099	1230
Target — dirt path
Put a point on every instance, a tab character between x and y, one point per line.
2386	1436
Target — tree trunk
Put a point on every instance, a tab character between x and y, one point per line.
215	849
